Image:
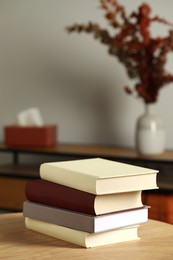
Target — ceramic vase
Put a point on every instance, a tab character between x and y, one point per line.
150	132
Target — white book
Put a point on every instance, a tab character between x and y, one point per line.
99	176
82	238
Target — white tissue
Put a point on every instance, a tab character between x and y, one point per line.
30	117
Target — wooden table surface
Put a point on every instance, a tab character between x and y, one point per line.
16	242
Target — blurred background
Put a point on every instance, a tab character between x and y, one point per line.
71	78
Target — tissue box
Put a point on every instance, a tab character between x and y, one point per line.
30	135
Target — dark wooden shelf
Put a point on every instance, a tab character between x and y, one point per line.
22	170
90	150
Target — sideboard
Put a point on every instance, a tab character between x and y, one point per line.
13	176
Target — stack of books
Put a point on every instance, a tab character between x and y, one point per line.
88	202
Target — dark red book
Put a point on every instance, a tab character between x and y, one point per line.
53	194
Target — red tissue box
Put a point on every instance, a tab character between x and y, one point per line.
30	135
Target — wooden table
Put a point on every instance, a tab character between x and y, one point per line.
16	242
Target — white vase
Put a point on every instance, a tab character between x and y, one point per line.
150	132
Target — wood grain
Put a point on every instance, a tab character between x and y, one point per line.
16	242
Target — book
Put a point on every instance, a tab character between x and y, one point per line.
81	238
85	222
99	176
57	195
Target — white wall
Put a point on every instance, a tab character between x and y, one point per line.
70	78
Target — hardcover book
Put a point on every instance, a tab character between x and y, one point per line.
57	195
81	238
99	176
85	222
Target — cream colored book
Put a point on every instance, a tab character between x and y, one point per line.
82	238
99	176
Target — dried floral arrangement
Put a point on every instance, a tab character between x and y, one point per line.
143	56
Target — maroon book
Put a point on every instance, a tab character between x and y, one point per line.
57	195
61	196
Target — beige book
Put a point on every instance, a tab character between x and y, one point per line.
99	176
82	238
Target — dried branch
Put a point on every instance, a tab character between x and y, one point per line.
144	57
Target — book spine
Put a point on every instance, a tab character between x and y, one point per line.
49	193
59	216
56	231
